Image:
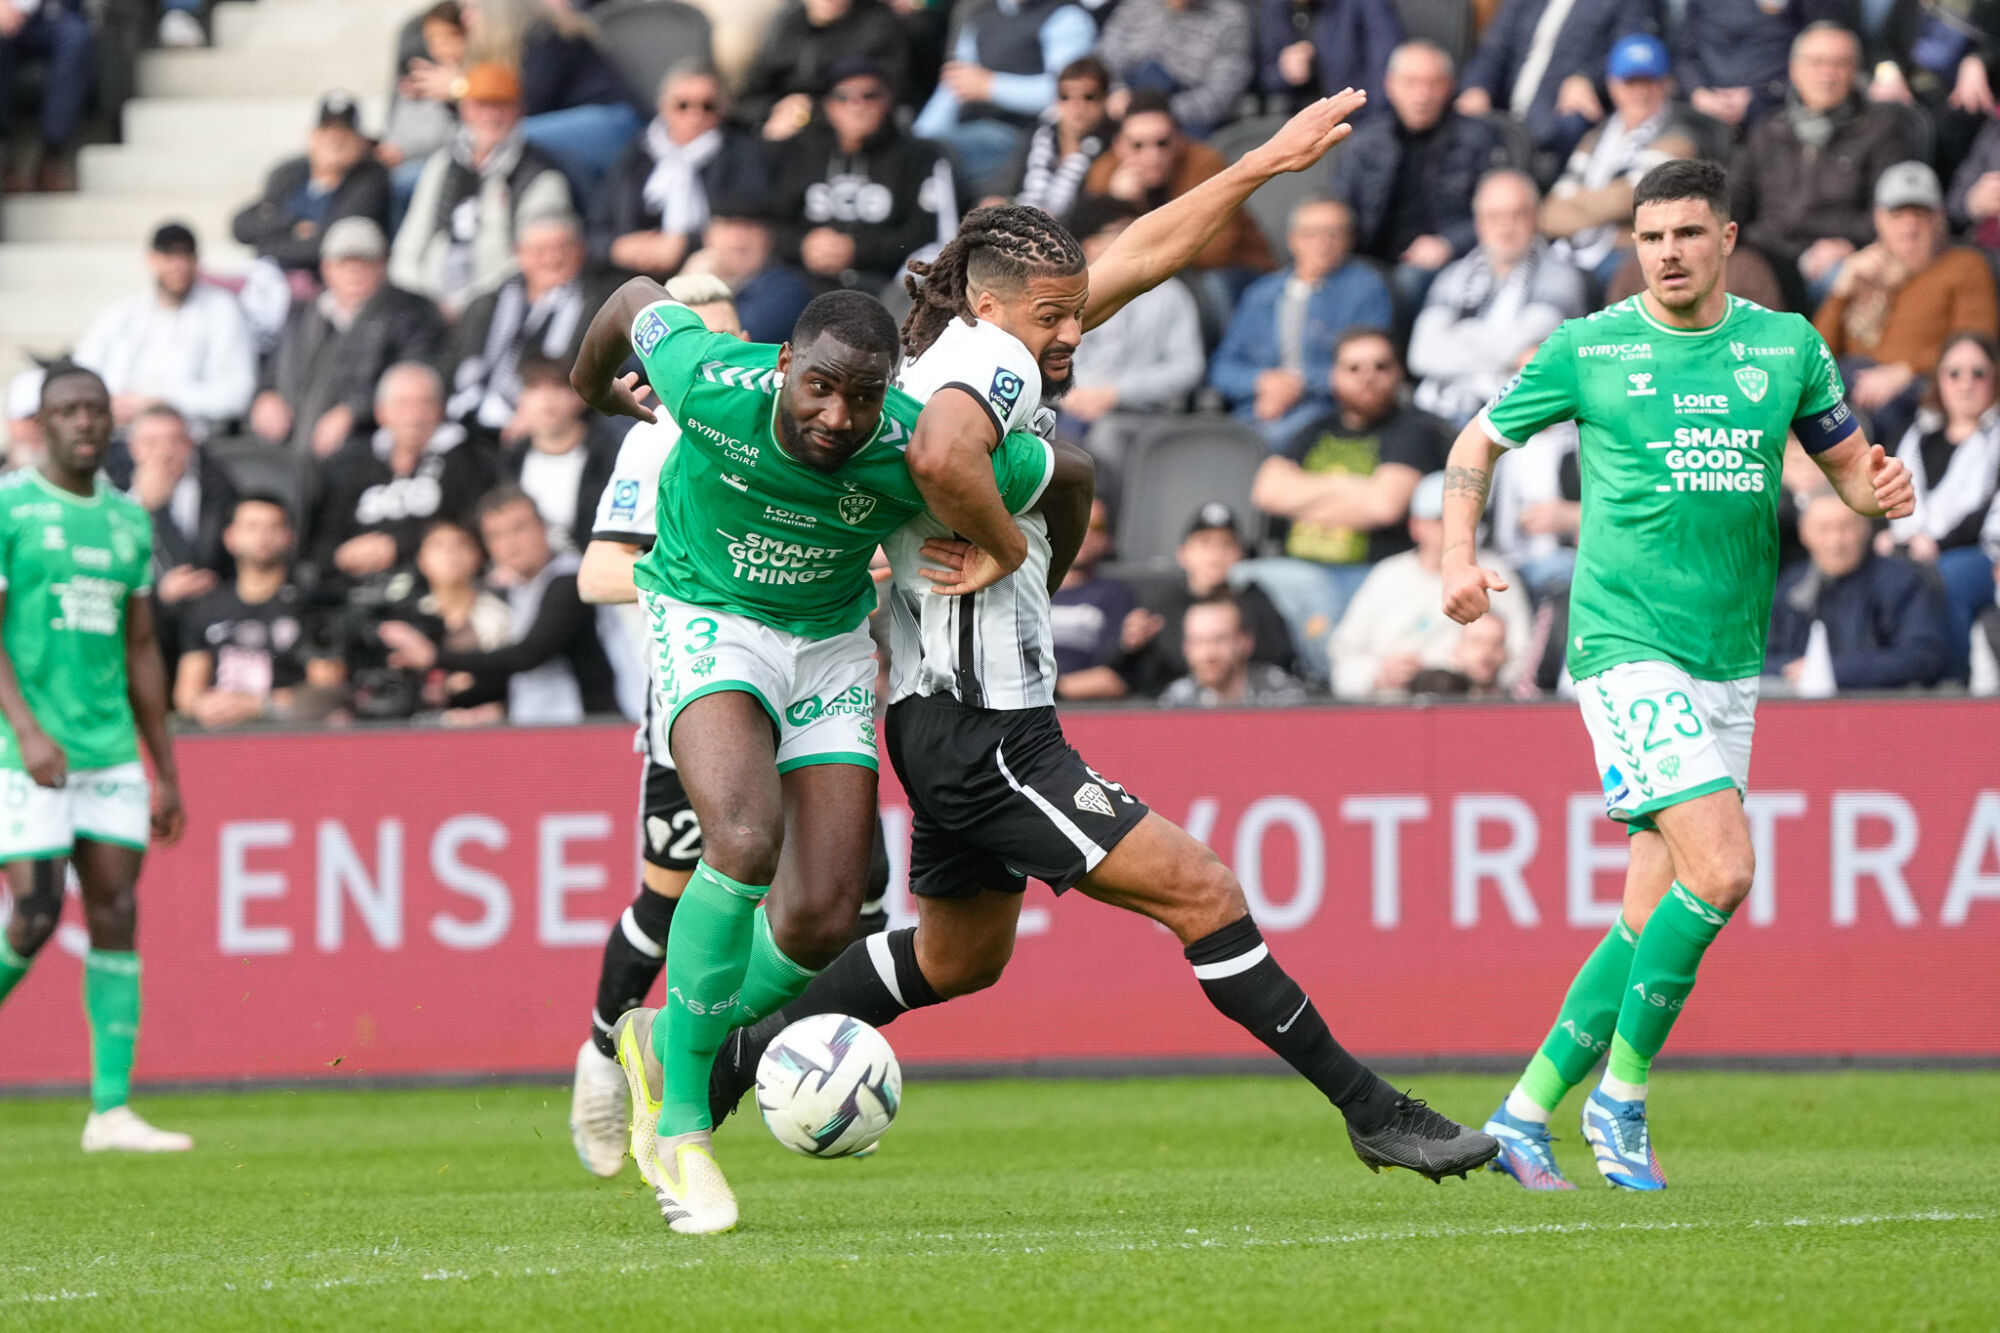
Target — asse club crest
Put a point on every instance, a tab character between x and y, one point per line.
854	508
1753	381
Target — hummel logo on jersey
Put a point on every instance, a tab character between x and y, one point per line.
1642	386
854	508
731	479
739	377
1090	799
1754	383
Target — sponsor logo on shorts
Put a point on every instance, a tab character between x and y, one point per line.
1090	799
1617	791
1642	385
855	508
854	701
802	712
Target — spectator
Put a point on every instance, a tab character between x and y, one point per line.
544	307
1396	626
1731	57
246	651
1477	664
184	343
1049	171
770	296
1589	209
384	487
57	32
1222	668
1087	615
575	104
1488	312
1801	184
190	499
1974	205
1409	177
803	44
999	78
319	382
552	669
1147	357
1538	62
1274	367
421	117
1308	49
456	612
649	215
457	240
1896	300
563	454
180	25
1344	484
1953	453
856	196
1151	161
1196	53
1153	636
1883	621
336	178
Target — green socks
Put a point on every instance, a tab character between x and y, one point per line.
1583	1027
1663	967
708	954
111	1003
773	980
12	968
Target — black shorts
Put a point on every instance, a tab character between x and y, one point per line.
669	832
997	796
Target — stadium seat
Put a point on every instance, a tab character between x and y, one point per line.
646	38
1272	205
1446	22
259	468
1173	466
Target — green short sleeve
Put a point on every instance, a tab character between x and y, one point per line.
672	343
1542	395
1022	466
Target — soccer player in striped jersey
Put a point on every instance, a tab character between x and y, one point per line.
996	792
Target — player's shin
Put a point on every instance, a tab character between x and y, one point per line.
633	957
111	1003
708	952
12	968
1662	976
1244	982
773	977
38	901
1582	1030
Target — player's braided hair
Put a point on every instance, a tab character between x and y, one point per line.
998	243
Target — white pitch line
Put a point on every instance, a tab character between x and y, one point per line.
1003	1243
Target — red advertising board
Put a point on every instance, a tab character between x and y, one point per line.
398	903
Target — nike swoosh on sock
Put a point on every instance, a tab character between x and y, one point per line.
1286	1026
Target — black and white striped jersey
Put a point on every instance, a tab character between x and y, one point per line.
626	513
994	648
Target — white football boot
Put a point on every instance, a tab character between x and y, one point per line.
121	1130
693	1196
597	1112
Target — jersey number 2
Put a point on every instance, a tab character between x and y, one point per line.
1686	725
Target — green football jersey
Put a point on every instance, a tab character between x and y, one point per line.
1682	444
745	527
67	564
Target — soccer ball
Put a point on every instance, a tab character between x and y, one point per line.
829	1086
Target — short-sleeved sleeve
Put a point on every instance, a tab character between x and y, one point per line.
626	510
1544	393
986	362
1022	466
671	343
1822	420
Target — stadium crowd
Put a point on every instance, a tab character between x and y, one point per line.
371	481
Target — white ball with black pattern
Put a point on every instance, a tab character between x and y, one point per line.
829	1086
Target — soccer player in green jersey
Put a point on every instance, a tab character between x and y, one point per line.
789	473
81	682
1684	396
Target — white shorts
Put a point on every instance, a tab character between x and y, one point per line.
820	693
100	804
1662	737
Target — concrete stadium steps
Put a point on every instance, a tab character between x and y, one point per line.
207	127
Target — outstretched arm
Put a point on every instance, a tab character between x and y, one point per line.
1166	240
1867	478
607	344
1467	474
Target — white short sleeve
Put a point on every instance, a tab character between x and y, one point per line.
986	362
625	511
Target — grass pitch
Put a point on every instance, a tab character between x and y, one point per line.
1866	1201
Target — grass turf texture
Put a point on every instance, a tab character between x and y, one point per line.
1798	1201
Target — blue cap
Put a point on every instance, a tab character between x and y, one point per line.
1638	56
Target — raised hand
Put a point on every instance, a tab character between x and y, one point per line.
1307	136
